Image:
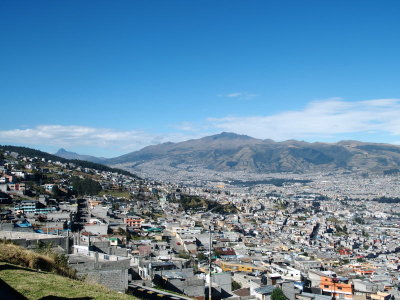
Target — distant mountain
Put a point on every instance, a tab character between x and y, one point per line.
72	155
233	152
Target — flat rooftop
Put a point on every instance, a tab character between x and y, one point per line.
15	235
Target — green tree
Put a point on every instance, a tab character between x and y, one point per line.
236	285
359	220
121	231
277	294
85	186
57	193
183	254
201	256
115	206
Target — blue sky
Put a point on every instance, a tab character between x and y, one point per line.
109	77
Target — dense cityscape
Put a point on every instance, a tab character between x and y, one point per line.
315	236
199	150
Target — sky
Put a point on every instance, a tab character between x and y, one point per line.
109	77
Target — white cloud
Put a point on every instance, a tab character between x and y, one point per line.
81	136
329	119
319	119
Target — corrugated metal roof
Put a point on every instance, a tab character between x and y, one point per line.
265	289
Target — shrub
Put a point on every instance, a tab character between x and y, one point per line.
48	261
277	294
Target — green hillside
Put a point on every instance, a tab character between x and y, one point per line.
22	283
81	163
22	276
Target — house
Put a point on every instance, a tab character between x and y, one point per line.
114	241
26	206
308	264
181	281
310	296
264	292
338	287
239	267
133	221
48	187
287	272
32	206
105	269
19	174
16	187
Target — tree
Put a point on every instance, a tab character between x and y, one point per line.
359	220
201	256
277	294
121	231
183	254
57	193
236	285
85	186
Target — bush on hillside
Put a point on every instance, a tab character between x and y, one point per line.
49	262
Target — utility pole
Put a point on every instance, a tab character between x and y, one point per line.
209	266
209	256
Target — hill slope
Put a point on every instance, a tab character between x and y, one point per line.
23	283
232	152
25	151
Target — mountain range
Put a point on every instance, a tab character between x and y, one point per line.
234	152
72	155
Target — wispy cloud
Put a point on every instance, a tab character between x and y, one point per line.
319	119
81	136
239	95
234	95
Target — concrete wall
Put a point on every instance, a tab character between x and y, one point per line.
31	240
289	290
116	280
112	274
224	280
193	287
314	278
103	265
99	229
364	286
104	246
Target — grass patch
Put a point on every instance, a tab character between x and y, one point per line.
49	262
35	285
